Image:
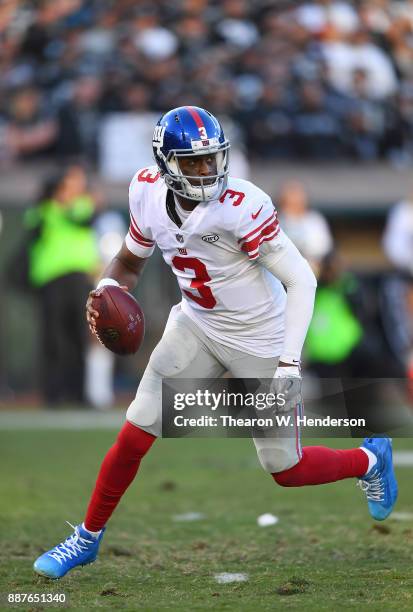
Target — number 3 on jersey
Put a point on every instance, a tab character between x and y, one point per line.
202	294
145	176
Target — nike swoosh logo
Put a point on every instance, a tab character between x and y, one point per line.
255	215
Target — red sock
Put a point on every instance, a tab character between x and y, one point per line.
117	471
320	465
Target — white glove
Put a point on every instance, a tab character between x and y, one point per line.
292	371
287	382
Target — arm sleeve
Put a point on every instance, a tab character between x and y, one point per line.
286	263
139	238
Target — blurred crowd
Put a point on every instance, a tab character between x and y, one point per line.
326	79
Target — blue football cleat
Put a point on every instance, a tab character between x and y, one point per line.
380	484
80	548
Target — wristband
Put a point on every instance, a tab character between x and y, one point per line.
288	358
107	281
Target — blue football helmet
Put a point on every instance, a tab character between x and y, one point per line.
187	131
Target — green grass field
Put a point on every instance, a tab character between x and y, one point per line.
324	554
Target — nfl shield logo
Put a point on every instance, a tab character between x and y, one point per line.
179	237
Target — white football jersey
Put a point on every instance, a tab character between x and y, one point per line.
215	256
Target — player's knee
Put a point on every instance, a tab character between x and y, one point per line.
175	352
143	410
133	441
277	460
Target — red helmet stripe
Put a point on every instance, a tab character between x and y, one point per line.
195	116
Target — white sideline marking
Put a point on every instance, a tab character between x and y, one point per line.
226	578
62	419
189	516
267	519
401	516
403	458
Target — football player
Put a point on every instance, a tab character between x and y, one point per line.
221	237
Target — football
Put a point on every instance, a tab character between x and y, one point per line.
121	324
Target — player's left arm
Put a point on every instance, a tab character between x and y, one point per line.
262	239
285	262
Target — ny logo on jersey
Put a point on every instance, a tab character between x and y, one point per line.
157	140
182	251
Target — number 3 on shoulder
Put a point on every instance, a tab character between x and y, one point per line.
146	176
236	196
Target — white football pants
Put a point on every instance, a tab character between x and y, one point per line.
185	351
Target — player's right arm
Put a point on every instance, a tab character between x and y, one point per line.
126	267
124	270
